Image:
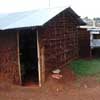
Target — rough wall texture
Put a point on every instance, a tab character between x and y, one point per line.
8	57
84	43
60	40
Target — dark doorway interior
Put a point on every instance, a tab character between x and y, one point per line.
96	52
28	56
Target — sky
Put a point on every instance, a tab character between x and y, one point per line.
84	8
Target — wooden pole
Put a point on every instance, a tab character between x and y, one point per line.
18	52
42	65
38	53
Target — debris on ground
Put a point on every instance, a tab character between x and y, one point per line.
56	76
56	71
85	86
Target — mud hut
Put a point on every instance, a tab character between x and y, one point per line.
33	43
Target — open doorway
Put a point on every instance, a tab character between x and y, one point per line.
28	56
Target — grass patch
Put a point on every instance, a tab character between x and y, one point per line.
86	67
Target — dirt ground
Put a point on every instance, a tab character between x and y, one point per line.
68	88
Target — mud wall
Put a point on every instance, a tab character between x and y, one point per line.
84	43
59	37
9	57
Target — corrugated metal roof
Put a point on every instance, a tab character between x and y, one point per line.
28	18
33	18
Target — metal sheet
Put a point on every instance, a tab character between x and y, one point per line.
28	18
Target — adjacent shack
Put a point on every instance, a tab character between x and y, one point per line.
84	43
34	43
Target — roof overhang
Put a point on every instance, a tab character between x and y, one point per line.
34	18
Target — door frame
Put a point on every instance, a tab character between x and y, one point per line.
18	58
38	55
41	61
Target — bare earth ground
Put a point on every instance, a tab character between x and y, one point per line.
67	88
